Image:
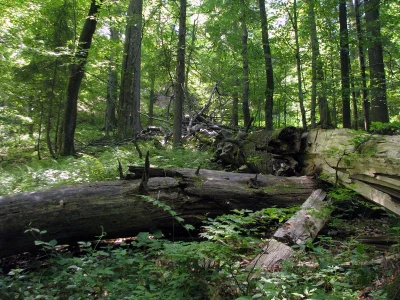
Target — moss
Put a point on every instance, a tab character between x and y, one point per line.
280	189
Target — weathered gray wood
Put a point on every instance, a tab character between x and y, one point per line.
305	224
273	253
371	168
76	213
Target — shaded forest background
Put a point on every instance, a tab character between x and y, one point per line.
123	66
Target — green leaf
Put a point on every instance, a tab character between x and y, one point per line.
52	243
157	234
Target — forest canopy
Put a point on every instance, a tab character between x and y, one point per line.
115	63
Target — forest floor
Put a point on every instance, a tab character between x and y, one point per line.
356	256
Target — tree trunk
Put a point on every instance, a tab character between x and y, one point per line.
76	213
379	109
345	64
137	50
112	88
354	95
304	225
129	99
52	97
318	85
245	68
76	75
370	168
298	67
180	76
269	88
235	104
192	47
361	59
152	97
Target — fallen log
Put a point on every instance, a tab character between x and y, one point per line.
304	225
368	164
76	213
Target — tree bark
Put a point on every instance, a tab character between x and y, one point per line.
152	97
318	84
269	73
112	88
188	64
361	60
294	22
52	97
129	99
379	109
180	76
245	67
76	213
76	75
235	104
345	64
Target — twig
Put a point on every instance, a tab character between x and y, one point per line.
145	177
121	173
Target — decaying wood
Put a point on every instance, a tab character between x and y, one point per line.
268	152
76	213
369	166
273	253
307	222
304	225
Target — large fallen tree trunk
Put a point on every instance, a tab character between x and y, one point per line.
76	213
368	164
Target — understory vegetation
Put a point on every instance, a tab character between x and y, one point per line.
215	264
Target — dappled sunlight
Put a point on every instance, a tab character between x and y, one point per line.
100	165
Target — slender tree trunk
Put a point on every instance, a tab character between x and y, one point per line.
180	76
137	49
152	98
58	141
77	71
245	64
298	66
313	65
50	111
188	66
112	88
334	99
344	64
318	85
361	59
235	104
31	127
354	101
112	97
379	110
40	131
129	99
269	73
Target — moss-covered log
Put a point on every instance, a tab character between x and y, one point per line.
76	213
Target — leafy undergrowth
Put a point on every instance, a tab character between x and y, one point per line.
216	266
22	171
